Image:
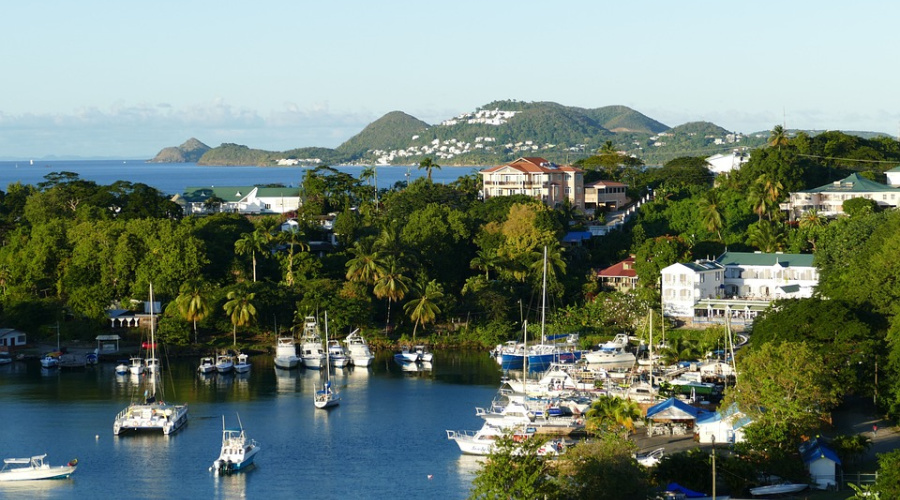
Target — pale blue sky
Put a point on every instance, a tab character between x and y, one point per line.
126	78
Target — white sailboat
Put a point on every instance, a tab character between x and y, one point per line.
152	414
327	396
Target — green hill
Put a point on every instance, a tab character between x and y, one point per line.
189	152
391	131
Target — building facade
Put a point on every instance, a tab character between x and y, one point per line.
239	199
538	178
828	200
605	195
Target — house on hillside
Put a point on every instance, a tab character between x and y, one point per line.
239	199
10	337
620	276
828	200
749	282
538	178
724	163
605	195
822	462
724	426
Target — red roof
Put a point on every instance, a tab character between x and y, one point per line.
534	164
624	268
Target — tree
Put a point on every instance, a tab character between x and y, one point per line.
252	243
768	236
423	308
778	137
786	389
711	212
856	207
485	260
291	239
392	284
612	414
888	482
366	265
602	469
192	304
514	470
241	309
428	164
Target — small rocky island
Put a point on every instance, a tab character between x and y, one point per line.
189	152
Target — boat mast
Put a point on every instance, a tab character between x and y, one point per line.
153	347
651	349
327	354
544	296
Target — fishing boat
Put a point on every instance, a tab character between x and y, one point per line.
207	365
311	350
406	355
610	355
336	355
224	363
238	451
360	355
122	367
136	365
34	468
151	414
243	363
326	396
50	360
481	442
424	354
286	353
152	364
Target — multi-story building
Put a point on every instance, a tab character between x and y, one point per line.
828	200
538	178
239	199
620	277
685	284
608	195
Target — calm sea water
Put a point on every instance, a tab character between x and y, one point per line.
173	178
383	440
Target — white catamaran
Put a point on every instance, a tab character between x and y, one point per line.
152	414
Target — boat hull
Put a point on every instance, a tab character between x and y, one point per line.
287	362
151	417
362	360
36	474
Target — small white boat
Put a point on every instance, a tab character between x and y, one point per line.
50	360
34	468
5	358
152	365
286	353
360	354
778	489
609	355
480	442
224	363
424	354
652	458
122	368
136	366
238	451
406	355
243	363
207	365
337	357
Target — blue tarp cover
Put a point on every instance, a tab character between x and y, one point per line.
681	489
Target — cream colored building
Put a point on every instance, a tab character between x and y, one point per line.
828	200
538	178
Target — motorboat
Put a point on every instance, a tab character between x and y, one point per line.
224	363
136	365
152	364
326	396
5	358
243	363
610	355
406	355
359	352
286	353
122	367
650	459
424	354
34	468
336	355
238	451
541	356
481	442
311	350
152	414
778	489
207	365
50	360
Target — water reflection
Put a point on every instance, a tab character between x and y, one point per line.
232	485
286	381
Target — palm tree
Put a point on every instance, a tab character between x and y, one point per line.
778	137
428	164
370	174
252	243
291	238
756	195
485	260
192	304
812	218
767	236
611	413
366	265
241	309
772	189
391	284
711	212
423	308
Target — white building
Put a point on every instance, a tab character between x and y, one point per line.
724	426
722	163
828	200
749	281
239	199
683	285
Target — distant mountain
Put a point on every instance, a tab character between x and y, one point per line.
494	133
189	152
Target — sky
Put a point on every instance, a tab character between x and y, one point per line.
122	79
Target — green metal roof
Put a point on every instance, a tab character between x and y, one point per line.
702	266
275	192
853	183
227	193
766	259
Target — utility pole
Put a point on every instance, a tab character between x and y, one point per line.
714	467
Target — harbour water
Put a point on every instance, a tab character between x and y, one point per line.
173	178
385	440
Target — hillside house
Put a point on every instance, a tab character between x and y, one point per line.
828	200
685	284
605	196
620	276
538	178
239	199
724	163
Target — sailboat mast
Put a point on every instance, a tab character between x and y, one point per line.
154	372
651	348
544	297
327	354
